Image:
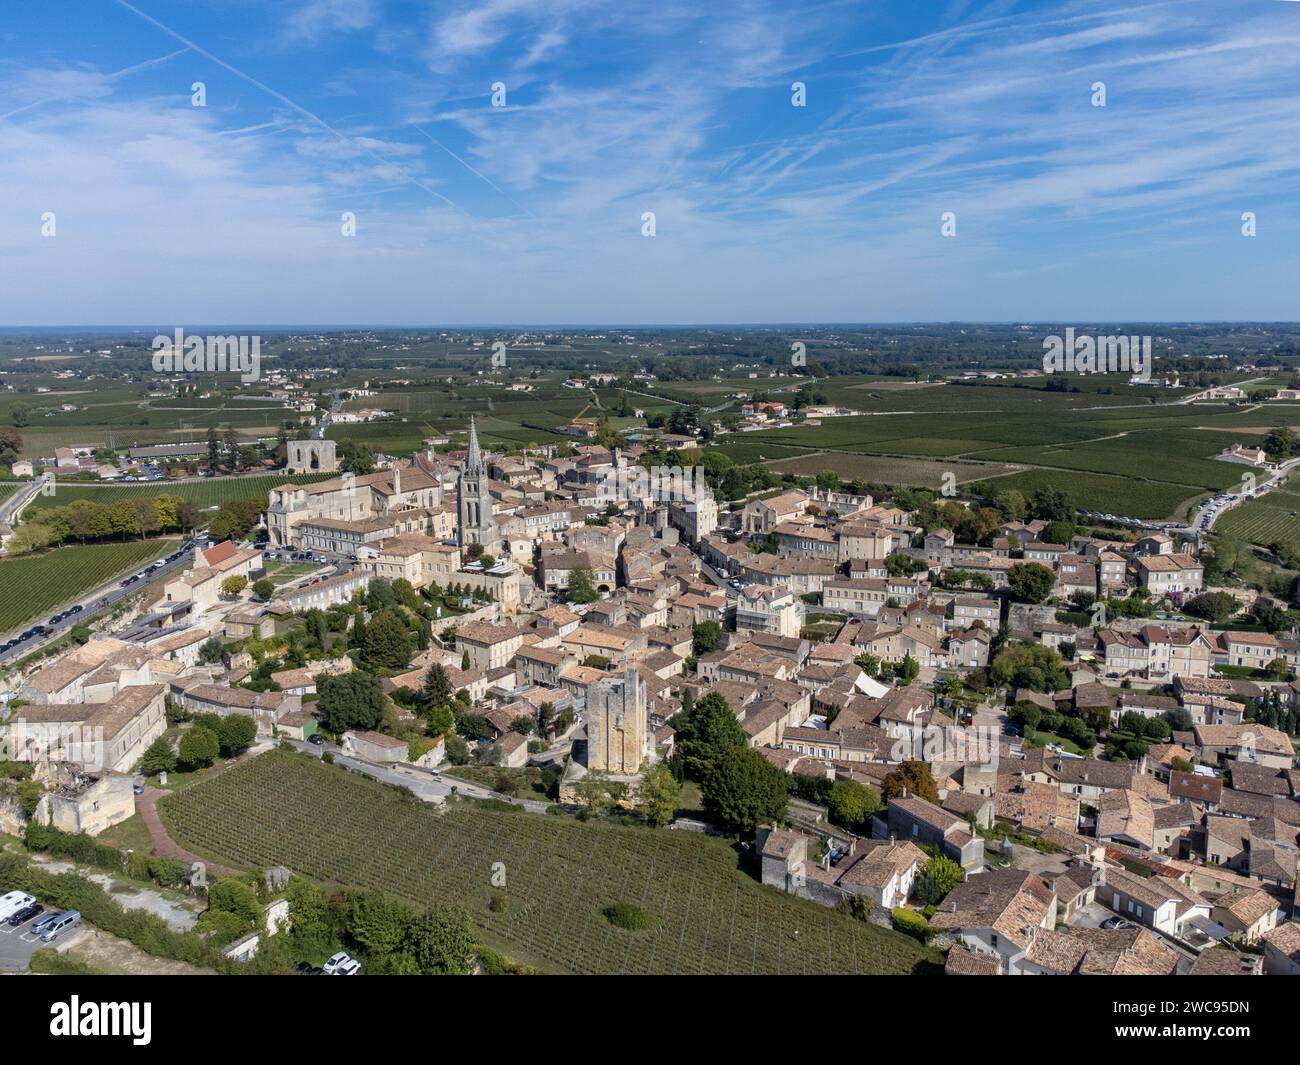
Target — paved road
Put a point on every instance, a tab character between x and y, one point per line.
12	507
327	417
92	602
1273	480
429	785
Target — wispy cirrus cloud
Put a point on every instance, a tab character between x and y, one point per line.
765	211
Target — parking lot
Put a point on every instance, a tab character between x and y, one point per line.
17	945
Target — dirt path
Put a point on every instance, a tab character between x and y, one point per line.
164	846
112	955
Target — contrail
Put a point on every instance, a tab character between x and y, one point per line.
297	108
481	177
107	77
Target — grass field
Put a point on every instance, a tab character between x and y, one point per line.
286	808
283	572
35	585
204	493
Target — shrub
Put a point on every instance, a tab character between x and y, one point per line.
912	923
627	916
937	877
499	903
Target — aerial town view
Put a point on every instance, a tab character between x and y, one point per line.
870	545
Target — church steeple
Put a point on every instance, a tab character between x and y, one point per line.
475	523
474	459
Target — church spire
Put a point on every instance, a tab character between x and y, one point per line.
474	459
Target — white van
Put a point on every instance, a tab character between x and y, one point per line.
13	902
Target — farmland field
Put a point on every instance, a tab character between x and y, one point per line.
921	473
1117	495
202	493
37	584
285	808
1270	519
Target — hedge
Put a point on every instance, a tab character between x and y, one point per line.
72	891
79	847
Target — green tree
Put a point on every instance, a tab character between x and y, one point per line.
596	792
704	732
741	790
440	720
437	686
158	758
264	589
1029	665
1213	606
869	664
199	747
235	734
1280	443
441	941
211	650
350	701
233	894
357	637
658	794
707	637
388	641
377	921
232	586
937	877
851	804
908	669
581	587
1031	581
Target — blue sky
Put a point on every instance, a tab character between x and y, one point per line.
532	213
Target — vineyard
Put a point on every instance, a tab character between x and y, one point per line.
708	917
1270	519
37	584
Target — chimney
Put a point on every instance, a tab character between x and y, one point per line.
397	480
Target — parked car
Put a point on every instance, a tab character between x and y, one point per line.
26	914
64	922
41	924
1113	923
334	962
316	738
348	968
